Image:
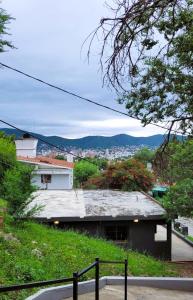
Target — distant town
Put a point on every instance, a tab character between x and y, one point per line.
108	153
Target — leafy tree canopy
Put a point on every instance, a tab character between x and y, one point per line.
179	199
4	21
100	162
175	166
151	62
176	163
83	170
144	155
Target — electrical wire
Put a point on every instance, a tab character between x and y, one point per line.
46	142
81	97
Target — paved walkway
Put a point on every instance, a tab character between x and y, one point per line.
180	249
138	293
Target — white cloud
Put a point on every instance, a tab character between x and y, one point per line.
49	36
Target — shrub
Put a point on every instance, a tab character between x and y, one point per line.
127	175
18	189
83	171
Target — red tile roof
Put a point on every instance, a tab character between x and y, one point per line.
48	160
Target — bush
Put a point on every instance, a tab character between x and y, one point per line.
18	189
83	171
179	199
7	157
130	175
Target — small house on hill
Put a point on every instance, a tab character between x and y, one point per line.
130	219
49	173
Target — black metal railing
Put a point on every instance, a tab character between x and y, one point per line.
74	279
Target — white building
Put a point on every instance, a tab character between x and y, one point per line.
49	173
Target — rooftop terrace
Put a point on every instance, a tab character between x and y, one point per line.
88	204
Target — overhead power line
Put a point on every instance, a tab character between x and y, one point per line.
46	142
81	97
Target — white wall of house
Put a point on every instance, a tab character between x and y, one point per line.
61	178
58	182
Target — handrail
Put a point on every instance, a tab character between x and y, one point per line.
86	269
74	279
33	284
111	262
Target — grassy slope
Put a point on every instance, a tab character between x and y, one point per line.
190	238
62	253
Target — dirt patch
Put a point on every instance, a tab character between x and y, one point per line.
184	269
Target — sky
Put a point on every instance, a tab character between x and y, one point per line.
48	36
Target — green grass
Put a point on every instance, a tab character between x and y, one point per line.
60	253
190	238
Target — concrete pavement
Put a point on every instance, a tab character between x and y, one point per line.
180	249
138	293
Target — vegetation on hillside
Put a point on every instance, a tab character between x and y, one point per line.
33	252
15	180
7	156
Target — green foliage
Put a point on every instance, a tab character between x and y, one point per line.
128	175
181	161
7	156
4	21
150	59
15	180
176	162
100	162
179	199
175	166
162	87
83	170
43	253
190	238
3	203
144	155
162	160
18	189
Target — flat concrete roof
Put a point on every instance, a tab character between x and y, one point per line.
79	205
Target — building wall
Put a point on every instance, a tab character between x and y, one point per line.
26	147
140	236
58	182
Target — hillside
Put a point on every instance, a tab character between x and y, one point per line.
120	140
34	252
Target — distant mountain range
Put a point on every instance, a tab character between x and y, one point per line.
88	142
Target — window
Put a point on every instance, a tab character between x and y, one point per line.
46	178
160	233
116	233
